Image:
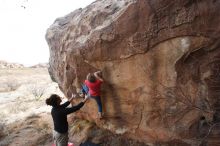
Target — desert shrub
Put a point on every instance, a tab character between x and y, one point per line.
38	91
79	124
3	115
12	85
21	107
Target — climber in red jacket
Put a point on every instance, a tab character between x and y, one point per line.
92	88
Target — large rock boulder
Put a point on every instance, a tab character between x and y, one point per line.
160	60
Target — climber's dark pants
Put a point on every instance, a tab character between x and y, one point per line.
98	101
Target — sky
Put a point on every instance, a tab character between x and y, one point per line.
23	25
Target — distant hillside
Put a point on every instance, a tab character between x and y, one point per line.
40	65
7	65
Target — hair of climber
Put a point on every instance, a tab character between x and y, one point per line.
91	78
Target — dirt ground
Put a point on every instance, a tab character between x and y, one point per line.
26	119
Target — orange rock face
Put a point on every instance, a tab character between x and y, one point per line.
160	61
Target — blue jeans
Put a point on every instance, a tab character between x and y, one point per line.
85	91
98	101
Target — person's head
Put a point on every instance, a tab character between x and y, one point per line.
91	78
53	100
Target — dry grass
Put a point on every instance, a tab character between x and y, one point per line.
79	125
25	117
34	130
12	79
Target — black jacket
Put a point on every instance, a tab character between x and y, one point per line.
59	115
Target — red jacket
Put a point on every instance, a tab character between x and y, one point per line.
94	88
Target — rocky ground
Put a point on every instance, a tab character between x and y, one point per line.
26	120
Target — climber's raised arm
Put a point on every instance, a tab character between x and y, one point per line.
98	75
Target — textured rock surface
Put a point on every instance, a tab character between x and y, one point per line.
160	60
